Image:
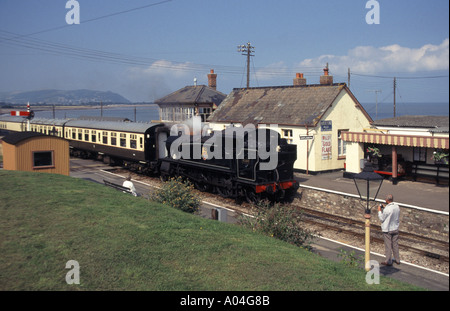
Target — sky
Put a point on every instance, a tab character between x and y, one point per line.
145	49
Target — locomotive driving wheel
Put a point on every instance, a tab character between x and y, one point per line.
202	184
226	190
251	196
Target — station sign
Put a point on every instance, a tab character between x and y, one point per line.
306	137
326	126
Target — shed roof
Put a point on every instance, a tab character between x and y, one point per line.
194	94
294	105
15	138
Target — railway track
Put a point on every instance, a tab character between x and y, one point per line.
420	245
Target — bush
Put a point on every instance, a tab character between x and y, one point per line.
178	194
279	221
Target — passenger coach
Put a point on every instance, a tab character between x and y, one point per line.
125	143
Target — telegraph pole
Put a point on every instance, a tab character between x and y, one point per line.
376	101
395	86
247	50
348	77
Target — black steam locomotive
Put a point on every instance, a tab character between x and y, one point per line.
236	162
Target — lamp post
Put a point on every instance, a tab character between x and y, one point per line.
368	184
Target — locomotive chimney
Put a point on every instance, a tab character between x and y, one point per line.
212	79
299	80
326	79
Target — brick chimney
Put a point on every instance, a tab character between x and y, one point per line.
212	79
326	79
299	80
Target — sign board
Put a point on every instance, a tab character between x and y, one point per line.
326	126
306	137
326	147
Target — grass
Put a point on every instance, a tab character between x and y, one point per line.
127	243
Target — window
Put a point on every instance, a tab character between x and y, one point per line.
287	134
420	154
80	134
123	140
86	135
105	138
133	141
43	159
114	139
94	136
204	113
342	145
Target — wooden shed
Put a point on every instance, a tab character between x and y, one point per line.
36	152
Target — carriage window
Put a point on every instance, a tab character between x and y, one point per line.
133	141
80	134
123	140
114	139
94	136
141	142
105	137
86	135
74	134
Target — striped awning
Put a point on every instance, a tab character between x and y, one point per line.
397	140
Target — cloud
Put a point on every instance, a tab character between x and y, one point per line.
168	68
157	80
372	60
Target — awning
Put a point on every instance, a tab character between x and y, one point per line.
397	140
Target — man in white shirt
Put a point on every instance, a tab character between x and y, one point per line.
390	221
129	184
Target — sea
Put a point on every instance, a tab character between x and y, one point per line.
138	113
149	112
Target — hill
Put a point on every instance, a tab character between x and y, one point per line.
60	97
127	243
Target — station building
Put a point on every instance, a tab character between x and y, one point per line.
312	116
190	101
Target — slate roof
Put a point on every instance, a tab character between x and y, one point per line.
199	94
435	123
290	105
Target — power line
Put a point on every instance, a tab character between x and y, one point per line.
391	77
75	52
92	19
